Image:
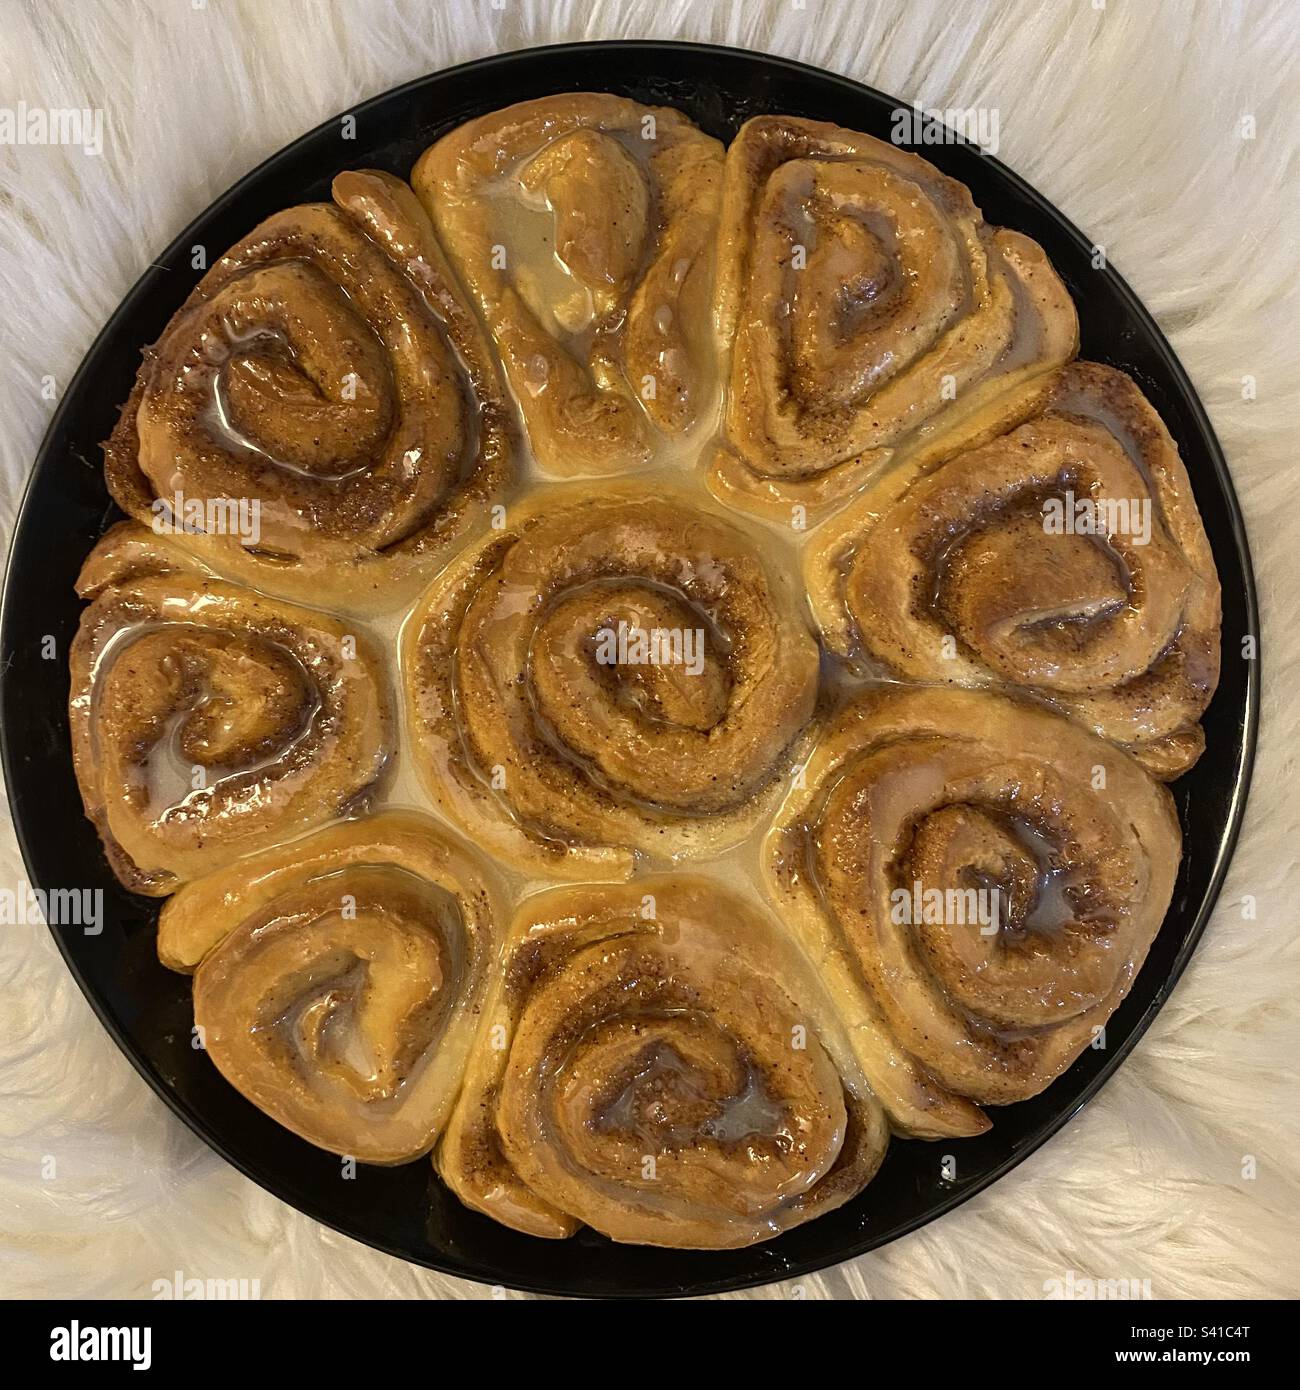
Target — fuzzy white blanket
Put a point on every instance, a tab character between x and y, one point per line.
1169	131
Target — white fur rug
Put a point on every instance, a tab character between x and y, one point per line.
1128	114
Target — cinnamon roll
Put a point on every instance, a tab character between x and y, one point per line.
207	719
979	881
647	1067
614	676
322	418
869	312
962	828
584	226
339	979
1066	557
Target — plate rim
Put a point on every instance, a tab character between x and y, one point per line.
1242	772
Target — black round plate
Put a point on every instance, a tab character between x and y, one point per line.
146	1008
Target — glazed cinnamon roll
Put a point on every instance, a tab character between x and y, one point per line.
584	226
339	979
979	881
652	1064
1066	557
322	418
869	312
613	677
208	719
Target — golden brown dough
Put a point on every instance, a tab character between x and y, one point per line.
652	1064
970	1001
326	375
584	226
869	313
950	802
531	730
339	979
207	719
978	572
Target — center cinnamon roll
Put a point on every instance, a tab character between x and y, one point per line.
613	677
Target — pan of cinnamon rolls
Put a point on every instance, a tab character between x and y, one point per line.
646	682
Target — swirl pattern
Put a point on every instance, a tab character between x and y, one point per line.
563	753
966	998
338	980
207	719
870	313
644	1069
1066	557
584	225
325	377
952	801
